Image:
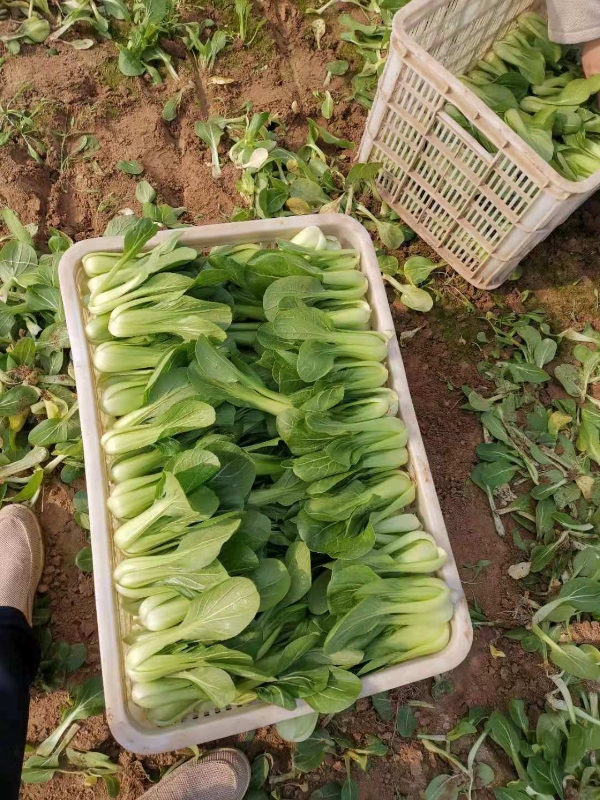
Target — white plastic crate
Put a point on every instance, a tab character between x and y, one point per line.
126	721
481	212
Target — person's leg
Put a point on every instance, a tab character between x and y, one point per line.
19	660
21	563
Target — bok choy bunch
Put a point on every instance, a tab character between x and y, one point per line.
258	484
538	88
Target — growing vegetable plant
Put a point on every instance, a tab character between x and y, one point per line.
204	42
370	39
243	11
553	755
549	450
278	182
48	23
151	20
259	496
38	405
18	123
54	755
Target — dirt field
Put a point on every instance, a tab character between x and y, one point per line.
279	74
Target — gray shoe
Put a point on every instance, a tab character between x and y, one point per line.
22	558
222	774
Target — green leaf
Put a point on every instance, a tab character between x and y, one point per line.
52	431
38	769
44	298
507	793
297	562
390	233
17	260
130	167
443	787
337	67
516	709
415	298
576	661
464	728
544	512
485	773
272	200
545	776
568	375
417	269
259	772
23	354
504	733
583	594
527	373
277	695
539	139
327	106
383	705
116	9
499	98
144	193
311	753
497	473
119	224
17	230
309	191
319	132
83	559
544	352
111	782
329	791
350	789
17	400
298	729
542	555
272	580
577	747
388	264
406	722
362	173
342	690
130	64
29	491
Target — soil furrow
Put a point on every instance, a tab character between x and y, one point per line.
274	13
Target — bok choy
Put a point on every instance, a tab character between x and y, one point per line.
258	487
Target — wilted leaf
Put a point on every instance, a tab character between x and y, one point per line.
519	571
318	26
298	206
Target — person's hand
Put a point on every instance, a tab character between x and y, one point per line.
590	58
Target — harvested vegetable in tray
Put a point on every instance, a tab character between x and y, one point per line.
257	482
537	87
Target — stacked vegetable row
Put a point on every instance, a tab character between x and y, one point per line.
538	88
257	485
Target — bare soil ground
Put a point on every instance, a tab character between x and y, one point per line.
279	74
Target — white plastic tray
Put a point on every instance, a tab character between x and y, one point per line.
127	724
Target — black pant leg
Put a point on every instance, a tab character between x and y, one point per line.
19	661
